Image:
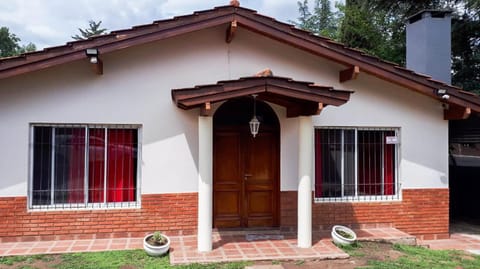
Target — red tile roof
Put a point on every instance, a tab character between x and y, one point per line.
299	97
252	21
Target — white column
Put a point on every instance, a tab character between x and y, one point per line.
305	162
205	180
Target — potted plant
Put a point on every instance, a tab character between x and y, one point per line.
342	235
156	244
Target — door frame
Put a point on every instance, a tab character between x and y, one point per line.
272	126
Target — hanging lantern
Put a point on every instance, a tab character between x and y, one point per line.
254	123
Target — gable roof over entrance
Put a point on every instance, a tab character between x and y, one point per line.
355	61
300	98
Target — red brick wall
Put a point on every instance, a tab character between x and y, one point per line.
422	212
170	213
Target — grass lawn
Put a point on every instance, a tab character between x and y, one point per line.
419	257
364	255
386	256
124	259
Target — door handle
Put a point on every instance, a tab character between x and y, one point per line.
246	176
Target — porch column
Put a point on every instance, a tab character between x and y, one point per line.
305	162
205	167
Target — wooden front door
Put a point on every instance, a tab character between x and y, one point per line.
246	177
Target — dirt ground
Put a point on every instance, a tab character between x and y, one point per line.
359	258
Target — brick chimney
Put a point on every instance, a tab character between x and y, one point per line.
429	44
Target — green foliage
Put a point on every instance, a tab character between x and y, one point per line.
109	259
131	259
27	48
92	30
378	28
466	51
157	239
9	44
323	21
299	262
358	27
418	257
10	260
305	15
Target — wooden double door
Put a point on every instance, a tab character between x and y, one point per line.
246	178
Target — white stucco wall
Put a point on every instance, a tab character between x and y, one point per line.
136	89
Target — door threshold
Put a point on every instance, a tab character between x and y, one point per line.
253	230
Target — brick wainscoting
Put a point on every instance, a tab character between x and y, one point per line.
422	212
170	213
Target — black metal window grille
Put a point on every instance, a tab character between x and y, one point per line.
84	166
356	164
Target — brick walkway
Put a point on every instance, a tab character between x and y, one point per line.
235	247
228	246
458	241
68	246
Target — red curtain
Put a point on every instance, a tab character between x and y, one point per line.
76	165
369	162
96	165
388	165
120	165
318	164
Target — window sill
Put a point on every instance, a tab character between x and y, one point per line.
77	207
360	199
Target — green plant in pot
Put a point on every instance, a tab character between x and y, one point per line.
156	244
342	235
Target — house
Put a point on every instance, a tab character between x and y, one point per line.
149	128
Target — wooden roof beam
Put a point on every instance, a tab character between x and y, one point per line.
319	108
456	113
232	28
97	67
206	110
349	74
306	109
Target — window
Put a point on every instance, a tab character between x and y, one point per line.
84	166
356	164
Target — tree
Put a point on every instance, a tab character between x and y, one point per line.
9	44
360	27
305	16
322	21
27	48
92	30
378	27
465	35
466	51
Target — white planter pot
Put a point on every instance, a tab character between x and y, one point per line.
340	240
156	250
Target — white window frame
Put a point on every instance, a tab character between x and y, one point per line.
363	198
86	205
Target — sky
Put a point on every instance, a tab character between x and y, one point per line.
48	23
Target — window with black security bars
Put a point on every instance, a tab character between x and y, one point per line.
84	166
356	164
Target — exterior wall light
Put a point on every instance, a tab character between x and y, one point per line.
97	64
443	94
93	54
254	123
